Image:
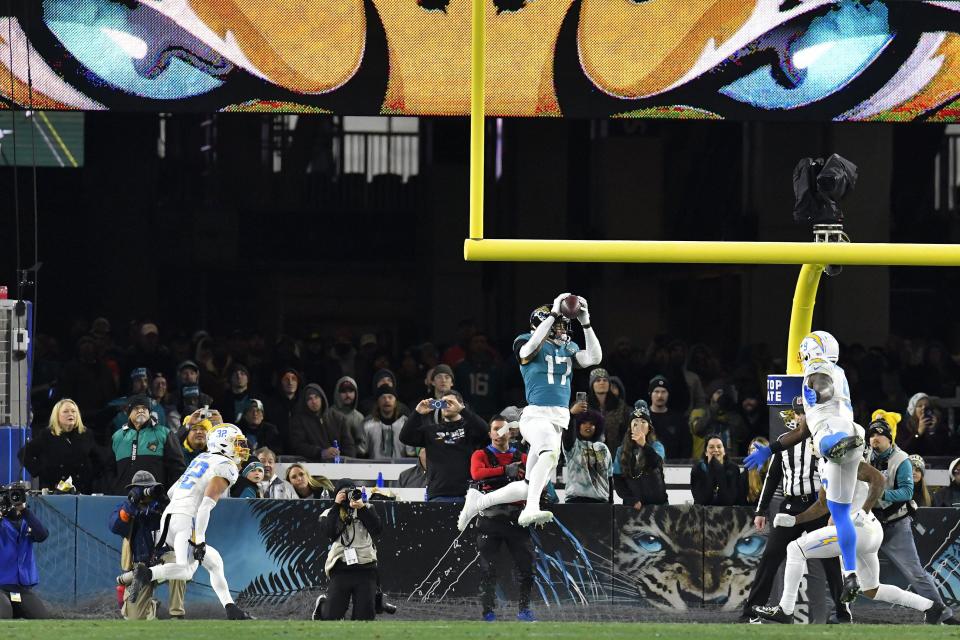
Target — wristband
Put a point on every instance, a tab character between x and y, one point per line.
585	326
776	446
556	316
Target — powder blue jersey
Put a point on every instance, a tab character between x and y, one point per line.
547	377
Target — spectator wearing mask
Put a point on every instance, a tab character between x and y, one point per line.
611	407
313	437
720	416
280	408
238	395
481	376
381	430
273	486
893	509
922	432
589	465
416	476
715	480
65	449
144	445
306	486
949	496
450	443
921	494
752	479
670	426
248	484
638	464
19	530
259	432
343	415
137	521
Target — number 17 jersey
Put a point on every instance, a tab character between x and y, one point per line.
548	374
187	494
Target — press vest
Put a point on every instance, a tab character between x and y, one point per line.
896	458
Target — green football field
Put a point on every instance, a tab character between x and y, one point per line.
387	630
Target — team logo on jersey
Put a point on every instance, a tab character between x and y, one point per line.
822	543
152	446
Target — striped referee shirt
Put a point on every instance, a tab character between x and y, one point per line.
792	473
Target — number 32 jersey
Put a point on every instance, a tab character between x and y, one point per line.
548	375
187	494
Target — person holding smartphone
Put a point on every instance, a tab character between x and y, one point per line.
921	432
450	443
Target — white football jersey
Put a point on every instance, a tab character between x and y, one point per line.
187	493
838	406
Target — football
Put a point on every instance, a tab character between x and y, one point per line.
570	307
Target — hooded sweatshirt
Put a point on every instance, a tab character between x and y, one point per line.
589	465
310	434
279	409
342	416
366	406
949	496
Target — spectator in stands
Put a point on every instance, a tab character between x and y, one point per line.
441	380
638	464
491	468
238	395
148	352
721	416
588	463
611	407
273	486
450	443
139	384
481	376
416	476
248	484
137	521
279	409
195	441
19	530
949	496
188	397
65	449
754	414
670	426
922	432
306	486
259	432
144	445
315	438
381	430
159	393
893	507
343	415
715	480
752	480
87	380
921	495
455	353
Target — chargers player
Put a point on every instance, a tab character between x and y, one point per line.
823	543
192	498
547	358
837	439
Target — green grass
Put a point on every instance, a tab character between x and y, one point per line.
389	630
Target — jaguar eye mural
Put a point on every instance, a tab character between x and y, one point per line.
887	60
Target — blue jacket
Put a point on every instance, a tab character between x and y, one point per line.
17	565
138	524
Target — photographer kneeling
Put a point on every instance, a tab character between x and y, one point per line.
350	525
19	529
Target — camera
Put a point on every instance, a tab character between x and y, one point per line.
205	412
355	494
12	496
438	404
383	607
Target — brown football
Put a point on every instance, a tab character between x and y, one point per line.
570	306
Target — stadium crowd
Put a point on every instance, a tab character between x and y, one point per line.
326	398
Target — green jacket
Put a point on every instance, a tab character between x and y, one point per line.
152	448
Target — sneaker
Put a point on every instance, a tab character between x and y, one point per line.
471	507
843	616
526	615
236	613
529	517
489	616
318	607
934	613
142	576
844	446
951	620
851	588
773	614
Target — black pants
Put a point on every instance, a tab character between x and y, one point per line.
491	533
776	552
30	606
360	585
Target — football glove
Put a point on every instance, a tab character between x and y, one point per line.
810	395
199	551
556	303
583	316
758	458
784	520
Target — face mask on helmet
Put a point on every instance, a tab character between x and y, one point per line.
560	331
241	450
819	344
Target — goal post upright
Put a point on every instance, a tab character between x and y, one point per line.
477	118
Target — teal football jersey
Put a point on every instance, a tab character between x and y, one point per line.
548	375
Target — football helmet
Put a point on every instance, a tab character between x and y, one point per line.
819	344
228	440
560	331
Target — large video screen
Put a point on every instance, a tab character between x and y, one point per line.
821	60
41	138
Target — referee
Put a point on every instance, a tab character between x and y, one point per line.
794	472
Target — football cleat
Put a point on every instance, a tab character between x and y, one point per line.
529	517
851	588
844	446
773	614
934	613
236	613
470	510
142	576
526	615
318	607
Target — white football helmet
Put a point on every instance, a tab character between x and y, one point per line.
819	344
228	440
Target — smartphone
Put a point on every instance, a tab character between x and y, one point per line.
438	404
581	396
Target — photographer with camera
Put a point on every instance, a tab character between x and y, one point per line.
350	525
19	529
137	520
